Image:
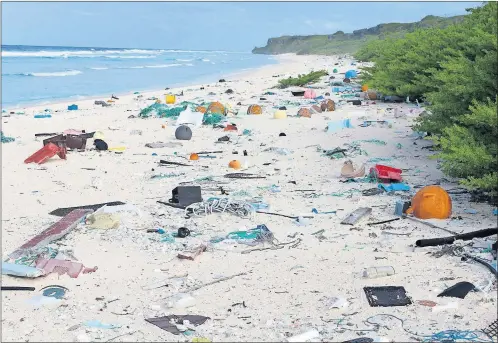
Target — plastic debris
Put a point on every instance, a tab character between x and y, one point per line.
305	336
97	324
6	139
171	323
102	221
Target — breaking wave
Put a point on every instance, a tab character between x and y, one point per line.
77	53
57	73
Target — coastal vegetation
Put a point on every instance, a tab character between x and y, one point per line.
348	43
455	70
302	80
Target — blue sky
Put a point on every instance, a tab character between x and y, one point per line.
232	26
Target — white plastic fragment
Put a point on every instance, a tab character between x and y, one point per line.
305	336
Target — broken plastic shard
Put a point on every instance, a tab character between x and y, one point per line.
336	302
40	300
180	300
99	325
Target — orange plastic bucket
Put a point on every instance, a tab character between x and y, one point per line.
431	202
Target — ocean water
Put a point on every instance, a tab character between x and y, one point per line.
32	74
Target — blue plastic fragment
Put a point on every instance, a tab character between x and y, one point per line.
393	187
54	292
99	325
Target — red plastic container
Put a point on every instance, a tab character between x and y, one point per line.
45	153
387	173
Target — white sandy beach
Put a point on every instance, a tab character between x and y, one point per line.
285	291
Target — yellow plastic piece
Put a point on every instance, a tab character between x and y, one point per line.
170	99
102	221
117	148
280	114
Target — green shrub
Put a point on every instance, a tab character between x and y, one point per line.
456	70
302	80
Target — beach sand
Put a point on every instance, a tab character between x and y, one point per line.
284	291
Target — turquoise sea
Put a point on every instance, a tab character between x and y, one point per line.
36	75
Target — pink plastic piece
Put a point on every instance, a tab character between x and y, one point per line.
309	94
73	269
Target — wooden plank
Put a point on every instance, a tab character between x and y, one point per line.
356	215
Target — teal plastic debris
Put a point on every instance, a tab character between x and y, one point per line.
252	236
6	139
72	107
247	132
495	212
399	146
40	116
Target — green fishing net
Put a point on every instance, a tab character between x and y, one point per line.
162	111
212	119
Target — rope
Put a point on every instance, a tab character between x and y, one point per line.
454	335
239	208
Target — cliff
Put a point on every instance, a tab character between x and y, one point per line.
341	43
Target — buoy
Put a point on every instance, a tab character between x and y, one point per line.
183	133
234	164
280	114
327	105
304	112
431	202
216	107
194	157
254	109
364	88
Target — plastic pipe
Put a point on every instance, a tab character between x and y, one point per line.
449	240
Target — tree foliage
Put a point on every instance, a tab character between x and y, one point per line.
455	69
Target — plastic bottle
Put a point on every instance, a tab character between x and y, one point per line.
376	272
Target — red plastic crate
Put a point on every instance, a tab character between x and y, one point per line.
45	153
386	173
